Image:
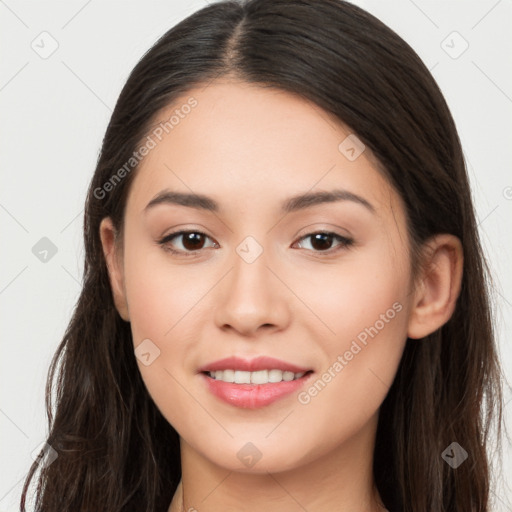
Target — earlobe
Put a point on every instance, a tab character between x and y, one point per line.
439	286
114	266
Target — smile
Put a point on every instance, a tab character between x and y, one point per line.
254	383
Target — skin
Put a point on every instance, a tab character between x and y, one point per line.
249	149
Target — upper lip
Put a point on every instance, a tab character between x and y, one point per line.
252	365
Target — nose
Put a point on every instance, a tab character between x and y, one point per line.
252	299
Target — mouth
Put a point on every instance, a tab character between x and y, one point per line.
253	384
259	377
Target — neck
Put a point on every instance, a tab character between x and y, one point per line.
340	480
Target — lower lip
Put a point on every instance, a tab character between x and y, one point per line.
253	396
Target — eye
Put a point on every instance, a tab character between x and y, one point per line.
191	241
322	241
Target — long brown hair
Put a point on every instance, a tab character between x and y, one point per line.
116	452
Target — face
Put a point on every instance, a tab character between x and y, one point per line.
321	285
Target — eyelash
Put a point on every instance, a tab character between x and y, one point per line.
344	242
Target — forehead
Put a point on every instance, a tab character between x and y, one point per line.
244	144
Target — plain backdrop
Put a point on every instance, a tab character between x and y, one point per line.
54	112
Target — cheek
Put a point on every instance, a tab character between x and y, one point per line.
357	293
160	295
165	304
364	303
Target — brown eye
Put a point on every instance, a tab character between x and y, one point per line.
190	241
323	241
193	241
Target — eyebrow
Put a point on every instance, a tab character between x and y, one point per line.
291	204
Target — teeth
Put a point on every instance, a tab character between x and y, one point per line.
288	376
242	377
275	376
226	375
259	377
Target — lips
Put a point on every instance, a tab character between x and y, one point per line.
252	396
253	365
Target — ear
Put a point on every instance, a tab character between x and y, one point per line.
438	286
113	258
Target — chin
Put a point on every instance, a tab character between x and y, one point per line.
258	457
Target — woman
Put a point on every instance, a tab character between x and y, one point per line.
284	300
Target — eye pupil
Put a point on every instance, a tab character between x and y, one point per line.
321	241
192	238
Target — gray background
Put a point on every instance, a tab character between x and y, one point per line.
54	113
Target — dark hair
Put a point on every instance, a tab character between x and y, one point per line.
116	451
